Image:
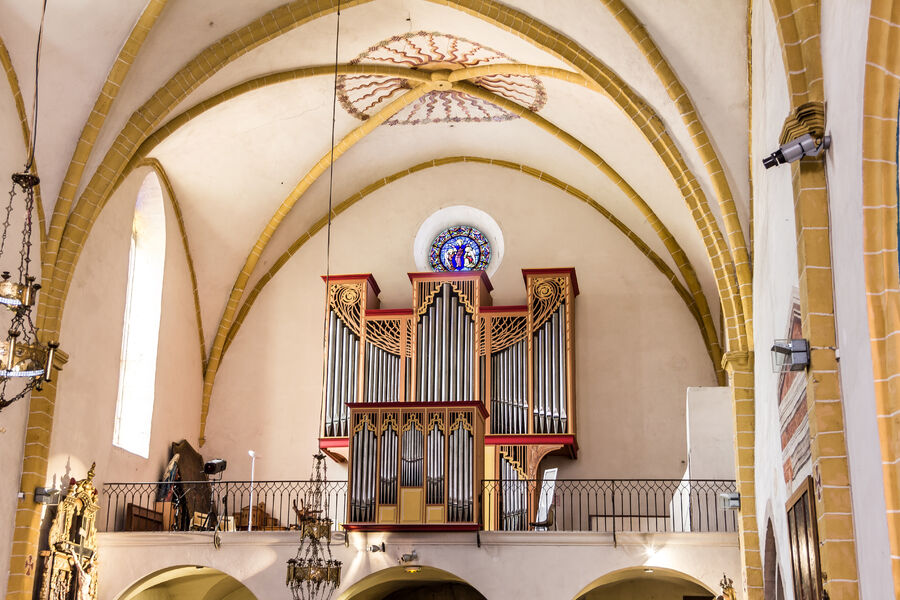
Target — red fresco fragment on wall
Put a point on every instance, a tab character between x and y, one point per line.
794	423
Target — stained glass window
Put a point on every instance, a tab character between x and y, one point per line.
460	248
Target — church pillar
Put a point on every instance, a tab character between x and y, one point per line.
739	365
24	561
831	474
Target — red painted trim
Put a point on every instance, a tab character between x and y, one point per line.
495	309
539	438
447	276
567	270
451	405
335	442
381	312
411	526
355	276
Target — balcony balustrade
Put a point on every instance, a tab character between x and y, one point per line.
570	505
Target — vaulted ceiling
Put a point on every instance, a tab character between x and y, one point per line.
639	106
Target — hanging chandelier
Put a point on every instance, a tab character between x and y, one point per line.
24	361
313	574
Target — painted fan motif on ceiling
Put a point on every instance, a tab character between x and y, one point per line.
363	95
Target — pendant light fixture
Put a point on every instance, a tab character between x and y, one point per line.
313	574
25	363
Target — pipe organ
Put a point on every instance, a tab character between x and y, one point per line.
416	395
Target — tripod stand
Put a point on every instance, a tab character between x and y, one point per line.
212	521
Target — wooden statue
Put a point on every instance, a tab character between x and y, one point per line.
70	564
728	592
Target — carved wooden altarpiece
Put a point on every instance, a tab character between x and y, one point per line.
73	537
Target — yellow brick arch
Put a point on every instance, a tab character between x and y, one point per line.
880	220
712	344
7	66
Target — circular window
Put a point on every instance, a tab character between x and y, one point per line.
460	248
451	218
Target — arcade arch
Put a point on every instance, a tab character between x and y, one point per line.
644	582
188	581
404	583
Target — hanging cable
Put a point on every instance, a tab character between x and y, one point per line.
337	40
34	104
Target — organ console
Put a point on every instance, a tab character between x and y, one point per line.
430	401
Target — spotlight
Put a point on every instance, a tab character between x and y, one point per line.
805	145
730	501
408	558
790	355
413	569
377	547
648	570
214	466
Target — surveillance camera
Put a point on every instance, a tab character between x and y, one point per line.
805	145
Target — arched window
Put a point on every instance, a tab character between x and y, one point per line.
140	333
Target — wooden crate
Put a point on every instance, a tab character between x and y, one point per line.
139	518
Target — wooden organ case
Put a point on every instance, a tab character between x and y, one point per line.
430	401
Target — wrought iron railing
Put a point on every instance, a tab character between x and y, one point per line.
607	505
195	505
602	505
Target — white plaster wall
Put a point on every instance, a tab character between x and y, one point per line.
507	566
637	346
844	36
92	335
710	433
12	419
774	273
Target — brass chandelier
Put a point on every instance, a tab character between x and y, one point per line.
313	574
24	361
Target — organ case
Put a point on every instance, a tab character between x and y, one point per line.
416	394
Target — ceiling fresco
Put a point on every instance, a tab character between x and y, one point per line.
363	95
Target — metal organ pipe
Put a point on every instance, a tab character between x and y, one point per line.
453	324
445	340
563	378
329	372
461	351
420	367
554	369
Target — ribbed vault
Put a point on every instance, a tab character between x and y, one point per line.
664	185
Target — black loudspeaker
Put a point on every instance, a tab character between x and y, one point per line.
214	466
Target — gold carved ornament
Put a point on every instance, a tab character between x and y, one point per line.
515	456
385	334
547	295
436	422
506	331
364	422
428	290
412	422
462	420
70	565
389	422
346	300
